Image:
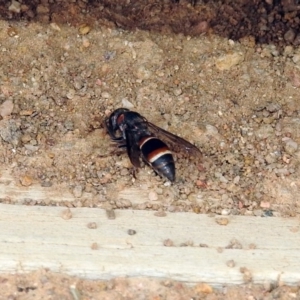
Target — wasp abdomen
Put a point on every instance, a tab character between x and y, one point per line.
158	155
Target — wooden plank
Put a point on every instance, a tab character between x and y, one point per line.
15	192
32	237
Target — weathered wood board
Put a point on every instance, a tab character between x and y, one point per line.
32	237
11	189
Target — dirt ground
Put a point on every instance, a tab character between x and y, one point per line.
46	285
64	68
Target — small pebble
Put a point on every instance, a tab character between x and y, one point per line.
211	130
296	58
110	213
265	204
290	35
69	125
236	179
77	191
152	196
252	246
264	131
160	214
203	288
177	92
200	28
42	9
94	246
70	95
270	158
225	212
201	183
26	112
226	62
26	180
159	191
168	243
288	50
273	107
25	138
10	131
131	231
12	31
222	221
127	104
234	244
105	95
6	108
124	172
291	147
192	197
85	42
55	26
92	225
15	7
230	263
282	171
141	72
247	276
294	229
46	183
31	148
84	29
66	214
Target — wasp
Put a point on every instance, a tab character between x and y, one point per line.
144	139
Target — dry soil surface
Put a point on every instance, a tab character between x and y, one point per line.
46	285
236	101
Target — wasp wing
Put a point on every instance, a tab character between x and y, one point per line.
176	143
133	149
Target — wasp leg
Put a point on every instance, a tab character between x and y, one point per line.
116	151
122	145
117	139
134	171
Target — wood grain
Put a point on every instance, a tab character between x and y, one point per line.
32	237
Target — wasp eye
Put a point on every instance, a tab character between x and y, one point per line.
120	119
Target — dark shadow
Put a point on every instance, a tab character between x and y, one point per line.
268	21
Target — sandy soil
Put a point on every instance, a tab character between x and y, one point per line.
235	100
46	285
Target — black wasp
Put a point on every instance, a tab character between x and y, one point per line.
142	138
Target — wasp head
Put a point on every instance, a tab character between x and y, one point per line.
115	122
